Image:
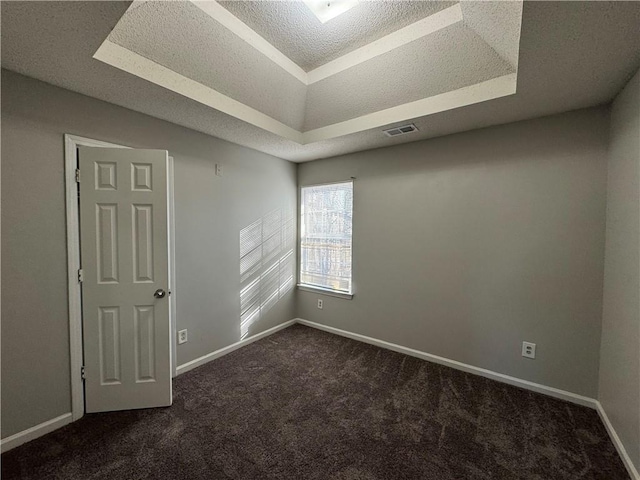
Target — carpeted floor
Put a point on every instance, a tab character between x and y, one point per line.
304	404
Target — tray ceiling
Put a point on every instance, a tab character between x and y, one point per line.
293	29
275	66
571	55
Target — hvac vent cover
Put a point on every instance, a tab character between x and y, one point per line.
402	130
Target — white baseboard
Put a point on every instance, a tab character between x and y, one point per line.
32	433
185	367
553	392
633	472
500	377
536	387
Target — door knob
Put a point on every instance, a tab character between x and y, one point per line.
159	293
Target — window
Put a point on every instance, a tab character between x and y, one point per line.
325	237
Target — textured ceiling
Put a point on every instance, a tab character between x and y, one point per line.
204	52
572	55
485	19
293	29
446	60
183	38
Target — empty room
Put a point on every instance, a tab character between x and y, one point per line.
320	240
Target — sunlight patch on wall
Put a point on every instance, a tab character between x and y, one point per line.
267	267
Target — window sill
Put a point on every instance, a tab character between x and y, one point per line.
324	291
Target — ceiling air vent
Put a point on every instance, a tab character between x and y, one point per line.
402	130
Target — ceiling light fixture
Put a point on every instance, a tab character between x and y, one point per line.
325	10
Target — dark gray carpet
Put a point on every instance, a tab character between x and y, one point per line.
304	404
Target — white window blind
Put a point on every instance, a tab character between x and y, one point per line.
325	236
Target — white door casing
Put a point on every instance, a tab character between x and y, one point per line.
124	260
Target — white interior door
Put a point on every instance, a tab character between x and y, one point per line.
125	262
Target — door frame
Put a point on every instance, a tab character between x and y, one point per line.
71	144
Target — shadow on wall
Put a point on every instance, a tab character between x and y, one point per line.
267	266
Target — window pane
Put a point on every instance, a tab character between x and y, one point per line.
325	236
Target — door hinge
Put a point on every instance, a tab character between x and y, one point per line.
80	276
77	175
82	373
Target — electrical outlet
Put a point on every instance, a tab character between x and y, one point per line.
320	304
182	336
219	169
528	349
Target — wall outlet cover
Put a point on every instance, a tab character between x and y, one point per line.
528	350
182	337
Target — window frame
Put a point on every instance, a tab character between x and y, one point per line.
315	288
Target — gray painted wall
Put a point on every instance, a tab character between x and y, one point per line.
466	245
210	214
620	353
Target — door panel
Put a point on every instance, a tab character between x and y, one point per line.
124	256
107	243
143	243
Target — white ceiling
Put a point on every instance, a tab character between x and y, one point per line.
293	29
181	37
572	55
204	52
445	61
